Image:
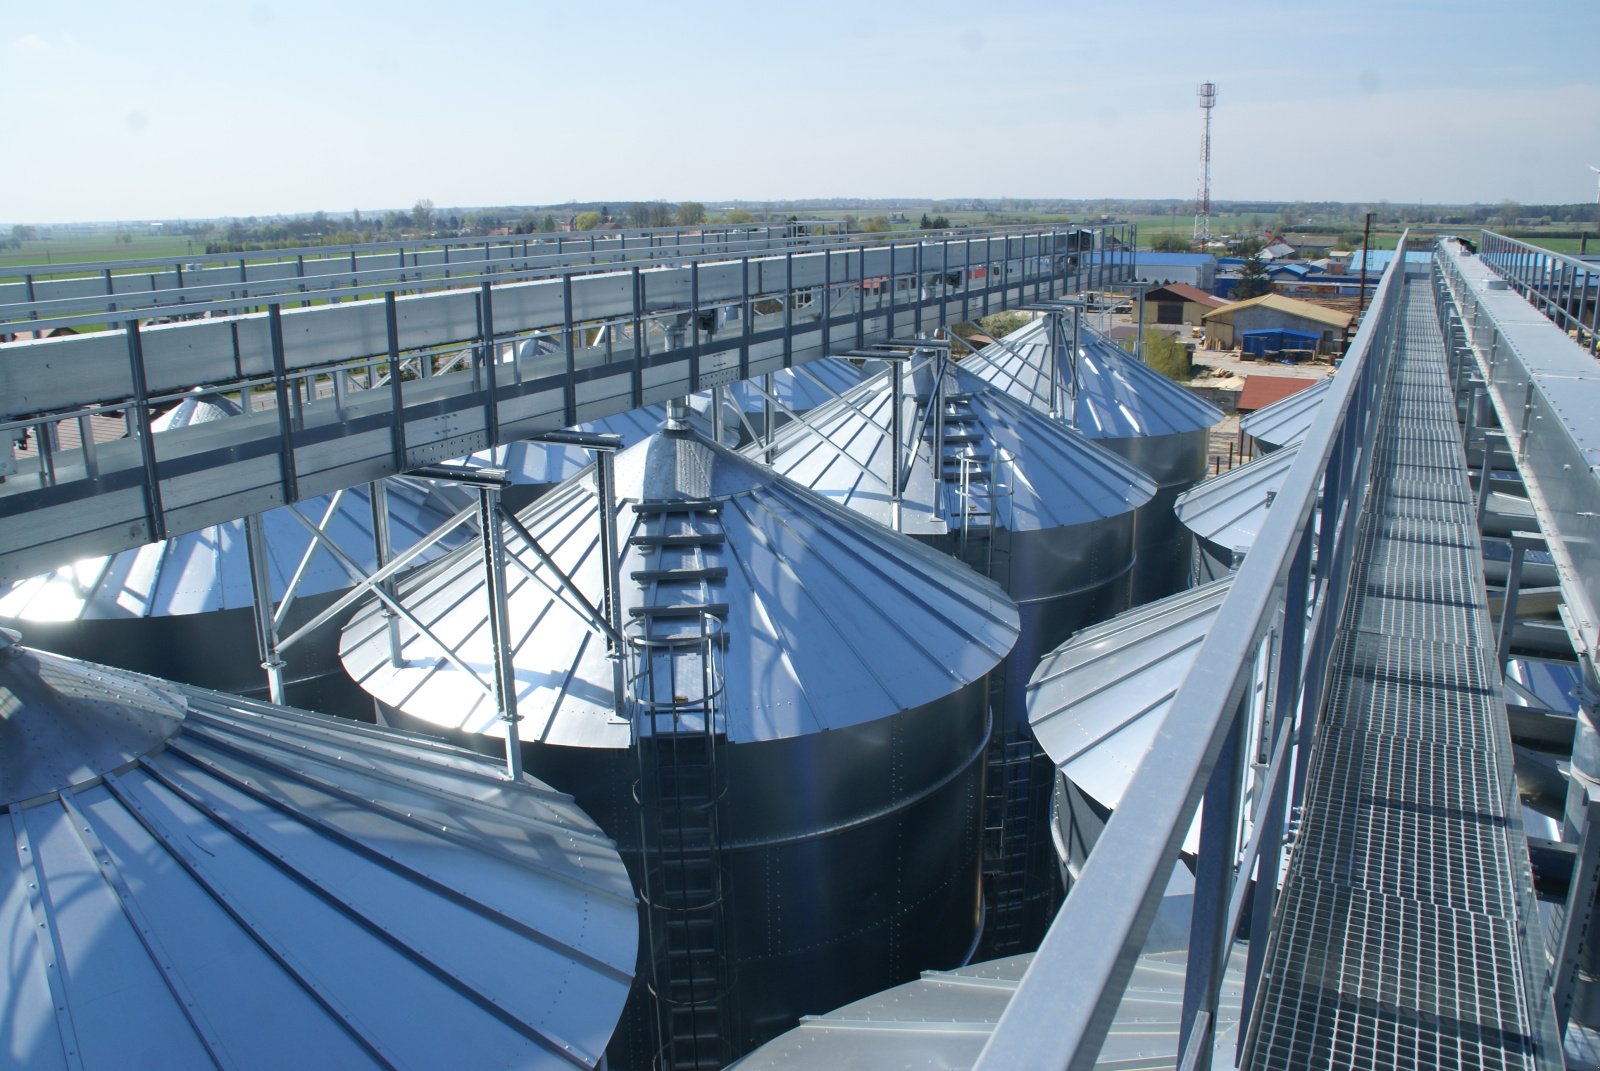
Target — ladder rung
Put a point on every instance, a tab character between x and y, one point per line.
679	505
651	576
690	540
715	609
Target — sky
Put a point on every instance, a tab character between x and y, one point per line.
170	109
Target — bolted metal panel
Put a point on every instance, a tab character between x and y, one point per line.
262	887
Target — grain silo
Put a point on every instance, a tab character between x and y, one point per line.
1226	511
1040	509
183	608
1288	419
202	881
805	722
1098	701
789	393
1125	406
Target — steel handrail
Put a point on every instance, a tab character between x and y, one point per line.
1549	281
1064	1006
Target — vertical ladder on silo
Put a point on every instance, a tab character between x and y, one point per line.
675	696
1008	832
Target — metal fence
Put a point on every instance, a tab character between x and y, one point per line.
1060	1015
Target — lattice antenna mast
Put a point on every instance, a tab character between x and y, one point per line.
1202	200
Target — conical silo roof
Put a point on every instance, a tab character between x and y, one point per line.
1118	396
204	881
1096	702
799	389
942	1021
830	620
548	464
1288	419
1045	475
209	569
1228	509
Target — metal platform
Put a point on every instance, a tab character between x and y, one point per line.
1398	939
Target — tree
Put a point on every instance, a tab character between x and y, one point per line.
691	214
739	215
548	223
422	214
1168	355
586	221
1253	278
877	225
1168	242
23	233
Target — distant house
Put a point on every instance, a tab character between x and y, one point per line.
1226	326
1277	251
1196	269
1179	303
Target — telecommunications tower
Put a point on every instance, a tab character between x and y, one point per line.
1202	200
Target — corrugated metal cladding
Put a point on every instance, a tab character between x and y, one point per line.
1126	407
1097	702
199	881
1225	512
1287	420
851	728
942	1021
182	608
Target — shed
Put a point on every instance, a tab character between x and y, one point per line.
1224	326
1180	303
1275	341
1261	391
1196	269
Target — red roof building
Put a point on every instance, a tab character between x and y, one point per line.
1261	391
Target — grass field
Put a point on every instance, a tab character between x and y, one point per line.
99	247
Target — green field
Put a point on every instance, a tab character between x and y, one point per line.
98	247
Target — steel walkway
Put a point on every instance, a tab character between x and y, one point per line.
1397	941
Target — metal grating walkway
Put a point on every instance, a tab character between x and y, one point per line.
1396	943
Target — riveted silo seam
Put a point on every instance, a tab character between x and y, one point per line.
47	936
111	874
461	986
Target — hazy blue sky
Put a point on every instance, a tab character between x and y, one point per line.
120	110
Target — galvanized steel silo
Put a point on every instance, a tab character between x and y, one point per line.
184	608
1097	702
1124	406
202	881
1288	419
790	392
1039	508
1225	512
846	744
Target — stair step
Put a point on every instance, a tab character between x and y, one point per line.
679	505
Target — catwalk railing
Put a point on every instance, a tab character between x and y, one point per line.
337	394
1060	1016
42	296
1564	288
